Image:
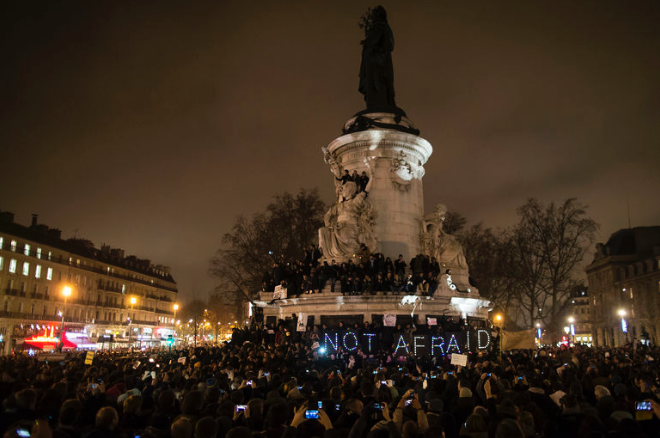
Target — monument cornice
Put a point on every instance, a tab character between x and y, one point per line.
412	144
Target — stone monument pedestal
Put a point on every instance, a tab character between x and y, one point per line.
386	147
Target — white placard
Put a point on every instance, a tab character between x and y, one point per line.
279	293
182	360
459	359
302	322
431	321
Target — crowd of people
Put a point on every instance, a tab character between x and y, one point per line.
368	274
253	388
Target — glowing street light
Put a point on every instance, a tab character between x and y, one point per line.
624	325
175	307
133	300
66	291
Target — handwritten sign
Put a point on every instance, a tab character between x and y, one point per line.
459	359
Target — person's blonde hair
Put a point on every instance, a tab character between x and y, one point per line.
132	404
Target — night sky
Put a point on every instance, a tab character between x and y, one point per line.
152	125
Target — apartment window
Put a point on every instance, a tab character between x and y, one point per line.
37	271
26	249
6	306
631	293
49	274
123	288
13	245
26	268
12	266
2	260
38	253
50	255
2	242
32	309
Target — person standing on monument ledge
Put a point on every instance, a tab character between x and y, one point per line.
400	266
346	177
364	180
355	177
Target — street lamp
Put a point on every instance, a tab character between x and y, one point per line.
624	325
175	307
133	300
571	321
498	323
66	291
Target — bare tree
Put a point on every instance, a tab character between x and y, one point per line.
550	243
488	254
280	234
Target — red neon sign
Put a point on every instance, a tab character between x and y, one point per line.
49	341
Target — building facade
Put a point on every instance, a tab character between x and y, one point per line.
624	288
99	297
579	316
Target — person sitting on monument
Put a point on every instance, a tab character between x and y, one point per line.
408	285
396	285
386	284
347	285
420	284
381	285
315	282
432	282
367	286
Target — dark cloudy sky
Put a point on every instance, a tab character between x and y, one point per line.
152	125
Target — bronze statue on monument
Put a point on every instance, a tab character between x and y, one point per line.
377	78
376	70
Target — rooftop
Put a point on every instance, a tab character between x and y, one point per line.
41	233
